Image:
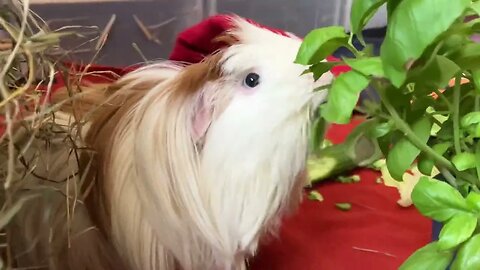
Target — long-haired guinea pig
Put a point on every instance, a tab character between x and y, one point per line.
192	165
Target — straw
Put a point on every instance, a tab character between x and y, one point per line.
31	58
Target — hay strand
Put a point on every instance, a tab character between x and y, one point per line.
31	59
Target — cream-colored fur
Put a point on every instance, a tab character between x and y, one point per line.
164	195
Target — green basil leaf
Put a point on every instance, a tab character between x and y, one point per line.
425	163
457	230
467	257
465	188
441	148
344	206
391	6
343	96
473	200
464	161
475	6
467	56
428	257
438	73
446	131
371	66
422	102
398	99
453	42
477	159
403	153
368	51
473	131
315	196
470	119
319	128
361	130
361	12
412	115
438	200
475	26
385	142
321	68
380	129
320	43
407	37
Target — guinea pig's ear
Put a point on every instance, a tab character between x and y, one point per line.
199	79
202	116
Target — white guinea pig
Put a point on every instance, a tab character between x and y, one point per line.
193	163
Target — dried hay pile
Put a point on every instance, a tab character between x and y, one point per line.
31	59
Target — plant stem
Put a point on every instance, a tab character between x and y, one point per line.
434	119
408	132
440	113
350	38
441	161
353	50
449	177
456	117
444	99
477	157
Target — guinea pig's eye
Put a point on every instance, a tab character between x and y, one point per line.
252	80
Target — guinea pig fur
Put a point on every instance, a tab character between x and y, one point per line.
192	164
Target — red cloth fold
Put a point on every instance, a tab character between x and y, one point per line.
194	43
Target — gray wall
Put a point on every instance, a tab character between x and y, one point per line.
296	16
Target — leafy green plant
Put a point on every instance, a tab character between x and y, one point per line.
428	80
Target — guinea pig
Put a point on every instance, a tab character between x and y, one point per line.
186	166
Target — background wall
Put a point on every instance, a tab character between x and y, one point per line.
164	19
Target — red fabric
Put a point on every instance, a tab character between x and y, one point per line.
196	42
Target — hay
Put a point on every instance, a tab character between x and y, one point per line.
30	59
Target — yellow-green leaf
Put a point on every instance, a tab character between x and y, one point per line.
438	200
428	257
467	257
343	96
320	43
457	230
414	25
404	152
